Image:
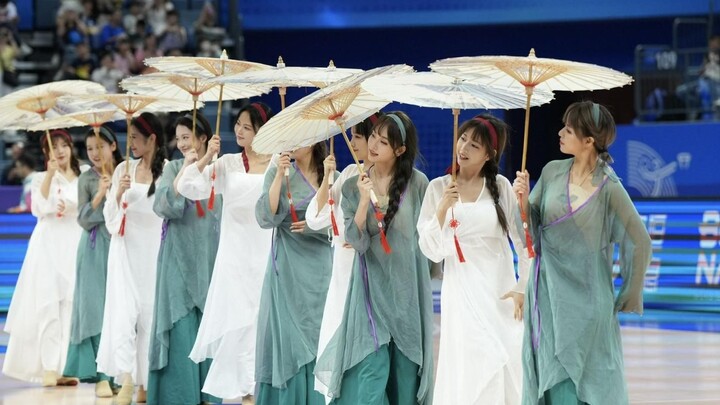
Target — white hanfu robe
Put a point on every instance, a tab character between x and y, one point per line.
343	258
480	341
229	324
130	291
39	316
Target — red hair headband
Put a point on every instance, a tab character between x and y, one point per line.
144	124
57	132
491	129
373	119
260	110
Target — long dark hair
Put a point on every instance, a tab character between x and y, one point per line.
403	168
202	126
65	137
318	154
478	129
108	135
147	124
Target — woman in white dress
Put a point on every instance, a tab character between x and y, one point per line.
38	320
228	327
319	216
472	217
132	261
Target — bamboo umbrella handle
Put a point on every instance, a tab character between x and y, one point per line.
219	113
96	130
456	114
128	120
373	197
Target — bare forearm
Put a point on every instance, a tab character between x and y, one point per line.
274	194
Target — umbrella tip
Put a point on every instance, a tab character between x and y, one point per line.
331	65
281	62
532	53
224	54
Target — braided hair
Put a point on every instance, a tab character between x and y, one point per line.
478	127
403	168
148	124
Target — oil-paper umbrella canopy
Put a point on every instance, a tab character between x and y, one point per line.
23	108
282	77
530	72
187	87
430	89
321	115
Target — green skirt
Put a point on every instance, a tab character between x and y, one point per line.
384	377
81	361
562	393
180	381
300	390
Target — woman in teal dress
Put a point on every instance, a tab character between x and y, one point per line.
578	212
382	353
185	262
296	281
91	268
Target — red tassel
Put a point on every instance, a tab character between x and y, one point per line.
199	209
528	238
211	201
454	223
383	239
293	213
461	257
332	218
122	222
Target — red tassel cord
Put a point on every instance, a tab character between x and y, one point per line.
528	238
293	213
454	223
331	202
199	209
124	217
211	201
383	239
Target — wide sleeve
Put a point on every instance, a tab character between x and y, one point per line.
510	207
433	236
112	210
195	185
89	217
535	200
264	217
358	238
41	206
168	204
630	233
321	219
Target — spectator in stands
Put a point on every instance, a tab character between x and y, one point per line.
9	15
112	31
208	36
124	58
83	65
149	49
135	14
8	178
23	170
175	35
709	82
141	31
70	30
89	17
107	74
8	52
157	15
